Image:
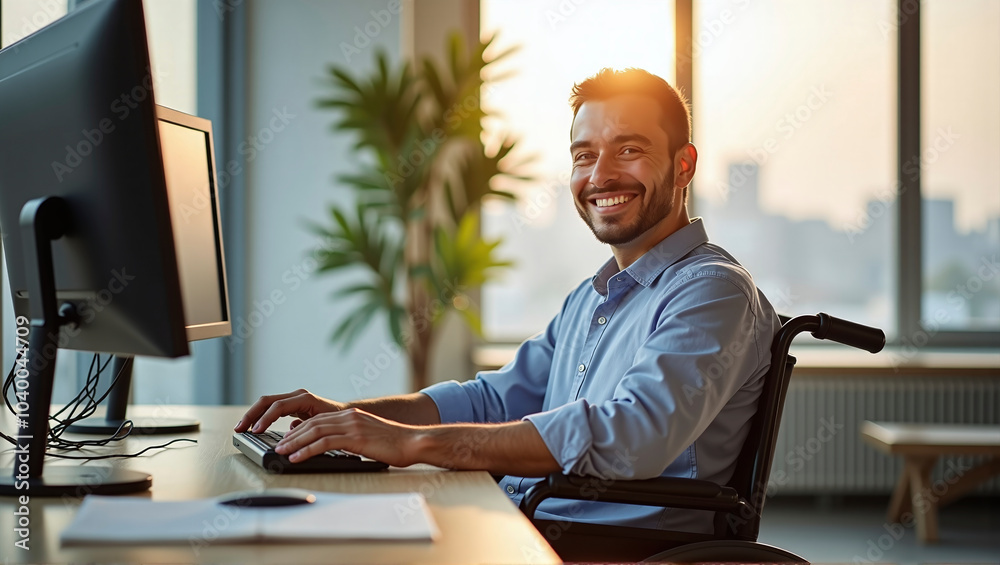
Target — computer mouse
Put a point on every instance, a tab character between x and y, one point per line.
268	497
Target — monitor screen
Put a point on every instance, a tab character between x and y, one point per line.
187	162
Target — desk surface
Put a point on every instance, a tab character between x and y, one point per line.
478	522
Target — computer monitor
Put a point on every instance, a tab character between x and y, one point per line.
189	164
85	220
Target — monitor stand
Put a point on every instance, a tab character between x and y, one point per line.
118	404
42	221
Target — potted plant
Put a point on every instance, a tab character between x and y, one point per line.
414	231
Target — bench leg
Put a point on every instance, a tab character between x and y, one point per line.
922	499
900	501
969	479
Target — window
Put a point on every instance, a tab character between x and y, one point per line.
794	120
20	18
960	158
818	168
561	43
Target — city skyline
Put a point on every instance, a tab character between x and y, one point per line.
801	265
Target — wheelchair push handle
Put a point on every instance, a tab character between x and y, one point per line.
850	333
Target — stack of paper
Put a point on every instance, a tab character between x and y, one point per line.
116	520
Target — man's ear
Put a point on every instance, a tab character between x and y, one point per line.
685	163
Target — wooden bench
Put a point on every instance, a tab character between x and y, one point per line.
921	445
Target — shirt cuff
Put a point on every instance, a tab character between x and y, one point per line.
566	432
453	403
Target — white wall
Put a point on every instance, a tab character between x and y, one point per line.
171	30
290	179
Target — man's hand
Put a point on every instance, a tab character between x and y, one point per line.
301	403
401	431
356	431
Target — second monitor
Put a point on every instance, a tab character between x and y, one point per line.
189	165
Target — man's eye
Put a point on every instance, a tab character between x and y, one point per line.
630	150
582	156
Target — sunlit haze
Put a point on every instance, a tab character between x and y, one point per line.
806	89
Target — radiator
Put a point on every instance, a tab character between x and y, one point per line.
819	450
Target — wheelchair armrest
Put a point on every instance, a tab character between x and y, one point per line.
662	491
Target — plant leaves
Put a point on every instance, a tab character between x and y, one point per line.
404	118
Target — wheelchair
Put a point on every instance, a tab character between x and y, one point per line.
737	505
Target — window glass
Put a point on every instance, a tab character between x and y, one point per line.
795	124
960	161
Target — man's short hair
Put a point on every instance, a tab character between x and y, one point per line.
609	83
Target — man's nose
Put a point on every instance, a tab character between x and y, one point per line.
604	171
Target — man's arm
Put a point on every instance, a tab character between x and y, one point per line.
506	395
513	448
415	409
703	350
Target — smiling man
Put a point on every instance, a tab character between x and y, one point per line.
652	367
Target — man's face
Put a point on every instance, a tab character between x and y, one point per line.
622	179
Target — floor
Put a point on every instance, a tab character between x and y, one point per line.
854	530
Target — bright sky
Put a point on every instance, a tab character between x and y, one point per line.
760	65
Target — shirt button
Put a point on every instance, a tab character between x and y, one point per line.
510	489
618	278
602	320
581	368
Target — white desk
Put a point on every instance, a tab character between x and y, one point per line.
478	522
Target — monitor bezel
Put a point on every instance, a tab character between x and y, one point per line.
223	328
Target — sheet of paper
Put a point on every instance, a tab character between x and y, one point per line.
121	520
401	516
117	520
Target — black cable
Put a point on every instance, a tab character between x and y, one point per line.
122	455
89	402
87	393
82	406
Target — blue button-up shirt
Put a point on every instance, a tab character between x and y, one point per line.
653	370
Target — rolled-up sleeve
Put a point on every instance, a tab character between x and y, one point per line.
702	350
505	395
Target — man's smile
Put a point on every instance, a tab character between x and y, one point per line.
610	202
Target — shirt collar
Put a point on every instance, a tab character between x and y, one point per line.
645	269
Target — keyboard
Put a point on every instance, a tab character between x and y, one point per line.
259	448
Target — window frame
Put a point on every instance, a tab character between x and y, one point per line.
912	334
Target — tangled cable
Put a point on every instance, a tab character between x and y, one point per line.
81	407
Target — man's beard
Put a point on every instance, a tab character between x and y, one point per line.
615	231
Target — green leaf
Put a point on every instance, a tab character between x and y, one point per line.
463	259
346	81
396	316
351	327
472	320
393	114
433	81
363	288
